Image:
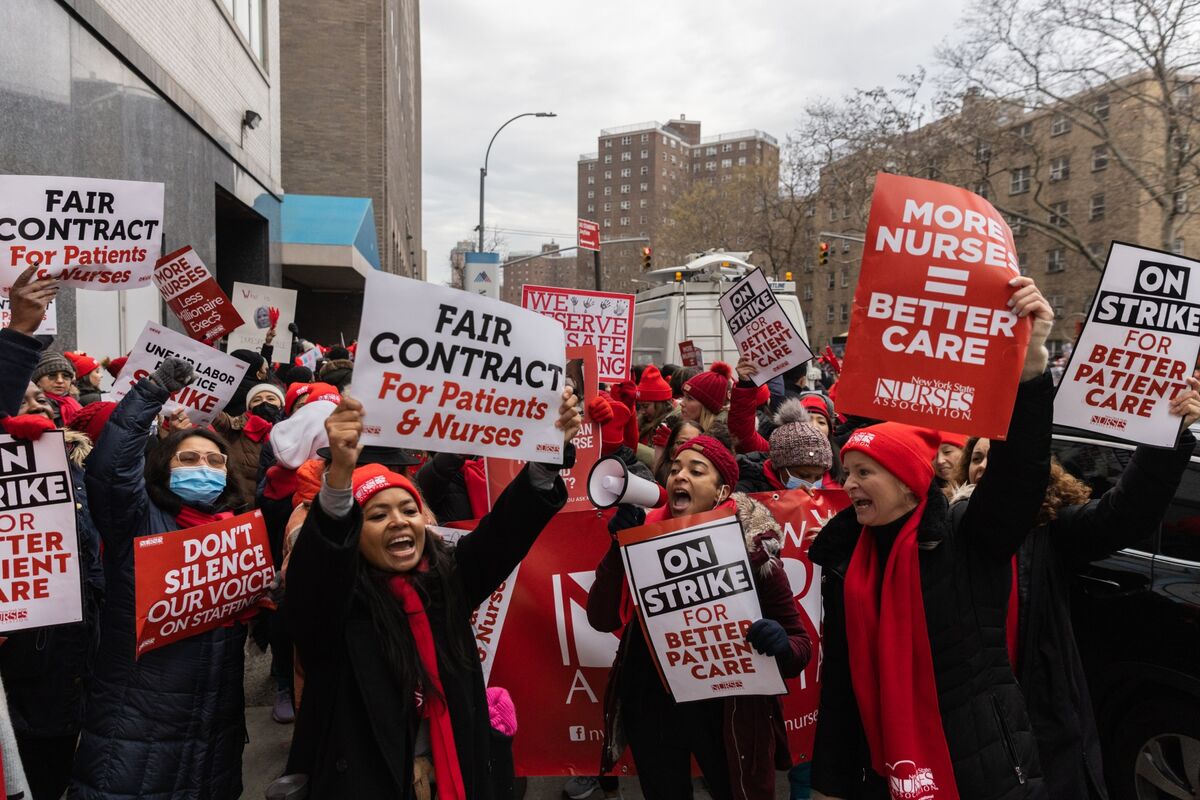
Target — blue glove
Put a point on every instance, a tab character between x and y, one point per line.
627	516
768	637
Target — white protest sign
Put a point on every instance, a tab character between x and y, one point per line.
310	358
40	576
601	319
217	374
761	329
88	233
254	304
693	587
446	370
1138	347
49	325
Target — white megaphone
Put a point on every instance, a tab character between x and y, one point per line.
611	483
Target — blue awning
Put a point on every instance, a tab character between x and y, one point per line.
328	242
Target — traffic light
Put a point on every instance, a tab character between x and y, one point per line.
646	252
823	254
787	276
678	276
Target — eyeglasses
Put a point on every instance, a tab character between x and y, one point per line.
192	458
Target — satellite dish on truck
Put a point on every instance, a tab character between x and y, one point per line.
715	266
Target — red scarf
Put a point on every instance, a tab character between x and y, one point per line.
891	668
475	480
68	407
441	730
189	517
256	428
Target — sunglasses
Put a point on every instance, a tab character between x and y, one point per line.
192	458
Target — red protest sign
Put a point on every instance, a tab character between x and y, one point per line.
601	319
191	581
690	355
588	237
932	342
192	293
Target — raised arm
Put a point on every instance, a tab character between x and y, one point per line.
742	422
19	351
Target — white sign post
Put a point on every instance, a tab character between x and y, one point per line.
254	304
446	370
761	328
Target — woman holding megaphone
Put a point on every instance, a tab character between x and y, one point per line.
738	742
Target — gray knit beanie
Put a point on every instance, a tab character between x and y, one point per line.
798	444
52	362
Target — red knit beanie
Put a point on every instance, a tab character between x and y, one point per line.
114	365
956	439
83	363
369	480
711	388
92	418
902	450
652	387
715	452
312	391
812	402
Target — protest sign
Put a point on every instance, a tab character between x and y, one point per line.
1137	350
932	342
87	233
217	374
191	581
693	586
40	578
253	303
690	355
761	329
446	370
601	319
192	293
49	324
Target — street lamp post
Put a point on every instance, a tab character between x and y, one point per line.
483	169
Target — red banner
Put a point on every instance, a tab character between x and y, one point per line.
932	342
194	580
690	355
192	293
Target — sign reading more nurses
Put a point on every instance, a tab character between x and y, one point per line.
1137	350
192	293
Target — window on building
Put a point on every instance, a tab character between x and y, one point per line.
643	203
1177	247
1058	213
643	187
608	191
607	143
829	281
833	213
845	278
1096	208
627	156
591	165
591	194
845	215
591	207
1181	203
247	18
624	221
608	174
982	189
1099	157
608	206
1100	107
673	143
625	173
624	205
645	154
710	151
664	172
741	145
711	166
1019	180
645	138
1060	125
1023	263
644	171
741	161
673	159
845	315
625	187
608	223
727	148
983	151
1025	131
726	178
1060	168
726	163
829	313
591	180
1055	260
626	140
643	219
1056	303
1183	92
808	293
664	141
608	158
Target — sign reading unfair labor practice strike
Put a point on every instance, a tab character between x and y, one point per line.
932	341
87	233
601	319
217	374
191	291
446	370
693	587
39	549
191	581
761	329
1137	349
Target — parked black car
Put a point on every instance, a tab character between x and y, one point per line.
1137	620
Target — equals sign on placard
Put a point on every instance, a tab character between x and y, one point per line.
938	278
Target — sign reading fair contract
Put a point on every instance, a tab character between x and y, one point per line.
253	303
191	291
446	370
693	586
191	581
87	233
1137	349
601	319
762	331
932	342
40	579
217	374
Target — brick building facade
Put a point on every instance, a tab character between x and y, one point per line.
549	269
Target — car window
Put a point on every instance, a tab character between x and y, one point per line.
1100	467
1181	525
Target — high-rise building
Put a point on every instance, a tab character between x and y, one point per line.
458	262
547	268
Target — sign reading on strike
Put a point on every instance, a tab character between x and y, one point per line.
589	235
49	324
932	342
217	374
761	329
192	293
253	303
690	355
87	233
601	319
191	581
1137	350
40	579
458	372
693	587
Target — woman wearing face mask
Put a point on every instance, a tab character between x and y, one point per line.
171	723
740	742
247	432
799	458
379	607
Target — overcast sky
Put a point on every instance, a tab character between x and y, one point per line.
731	65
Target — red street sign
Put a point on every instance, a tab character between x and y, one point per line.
589	235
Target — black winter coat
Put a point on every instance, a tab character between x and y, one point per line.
966	574
172	723
444	488
355	734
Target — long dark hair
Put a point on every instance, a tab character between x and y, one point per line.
158	473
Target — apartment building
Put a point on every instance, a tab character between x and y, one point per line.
546	268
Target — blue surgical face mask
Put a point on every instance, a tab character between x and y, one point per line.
197	484
799	483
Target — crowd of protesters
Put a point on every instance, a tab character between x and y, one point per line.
948	658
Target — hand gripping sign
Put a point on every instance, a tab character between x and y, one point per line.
191	581
693	587
1137	350
601	319
87	233
761	329
446	370
40	578
192	293
932	342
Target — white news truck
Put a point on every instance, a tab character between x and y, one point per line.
674	311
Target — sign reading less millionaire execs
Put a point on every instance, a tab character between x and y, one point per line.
932	342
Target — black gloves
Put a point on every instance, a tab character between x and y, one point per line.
627	516
768	637
173	374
